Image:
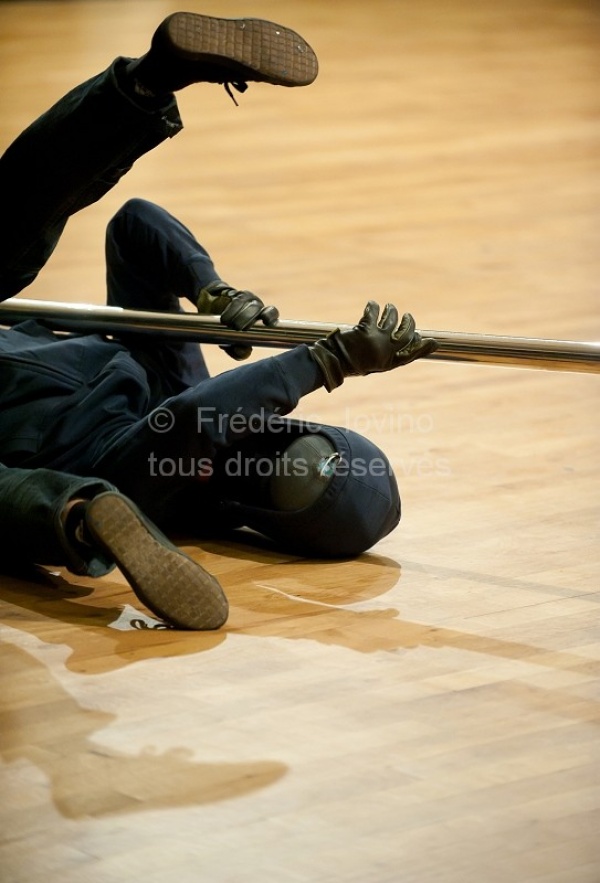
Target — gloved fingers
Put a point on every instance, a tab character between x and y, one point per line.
405	331
370	315
419	348
427	346
242	313
389	318
244	310
237	351
270	316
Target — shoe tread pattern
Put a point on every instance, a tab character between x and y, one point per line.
259	50
166	580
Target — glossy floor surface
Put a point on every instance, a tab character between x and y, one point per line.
427	713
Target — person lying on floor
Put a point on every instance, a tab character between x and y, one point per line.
171	447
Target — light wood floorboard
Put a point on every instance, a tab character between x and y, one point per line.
429	712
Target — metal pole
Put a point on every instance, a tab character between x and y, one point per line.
453	346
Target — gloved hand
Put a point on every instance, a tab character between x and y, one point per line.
374	345
237	309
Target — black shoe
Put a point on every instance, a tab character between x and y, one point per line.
165	579
191	48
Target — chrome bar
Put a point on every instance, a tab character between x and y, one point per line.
453	346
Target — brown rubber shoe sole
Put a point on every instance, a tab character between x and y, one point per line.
249	49
165	579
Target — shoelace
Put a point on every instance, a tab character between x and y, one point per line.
239	87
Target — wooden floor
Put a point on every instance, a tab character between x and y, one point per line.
429	712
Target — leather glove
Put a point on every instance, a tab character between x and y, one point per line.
374	345
237	309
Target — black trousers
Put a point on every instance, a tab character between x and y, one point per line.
107	419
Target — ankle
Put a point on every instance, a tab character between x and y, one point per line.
73	523
144	86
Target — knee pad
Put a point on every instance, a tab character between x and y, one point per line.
325	493
302	473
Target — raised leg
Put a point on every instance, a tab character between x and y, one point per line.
67	159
